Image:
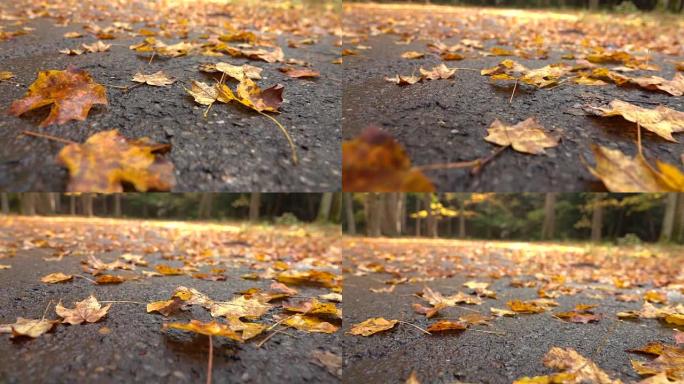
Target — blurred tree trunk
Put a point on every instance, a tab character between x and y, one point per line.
402	213
324	207
593	5
549	226
4	198
596	221
679	231
669	218
349	211
336	214
72	205
390	223
431	220
87	204
374	213
205	205
117	205
418	223
461	219
254	204
28	203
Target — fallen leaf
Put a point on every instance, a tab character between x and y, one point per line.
158	79
502	312
314	307
372	326
412	55
28	327
57	277
578	317
107	160
662	121
375	162
299	72
531	306
98	46
240	307
211	328
88	310
446	326
439	72
6	75
73	35
71	93
5	266
527	136
165	307
109	279
309	324
403	80
233	71
621	173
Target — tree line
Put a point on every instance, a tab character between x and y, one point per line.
280	207
622	218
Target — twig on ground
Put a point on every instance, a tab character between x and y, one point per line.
49	137
414	326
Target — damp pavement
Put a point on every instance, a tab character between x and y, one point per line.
445	121
232	149
515	348
128	345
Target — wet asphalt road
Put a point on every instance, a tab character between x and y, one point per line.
233	149
137	350
445	121
476	357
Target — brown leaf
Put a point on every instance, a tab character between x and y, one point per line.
158	79
57	277
28	327
98	46
446	326
662	121
71	93
107	160
299	72
310	324
527	136
109	279
328	360
88	310
165	307
375	162
372	326
621	173
211	328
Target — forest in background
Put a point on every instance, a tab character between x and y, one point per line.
620	218
622	5
282	208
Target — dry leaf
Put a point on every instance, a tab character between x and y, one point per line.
211	328
233	71
71	52
299	72
158	79
403	80
240	307
107	160
109	279
309	324
28	327
531	306
328	360
6	75
71	93
88	310
375	162
412	55
314	307
57	277
446	326
372	326
527	136
621	173
165	307
662	121
98	46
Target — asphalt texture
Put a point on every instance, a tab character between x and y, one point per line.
233	149
136	349
472	356
445	121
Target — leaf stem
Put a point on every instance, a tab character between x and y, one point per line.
415	326
49	137
293	149
211	359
